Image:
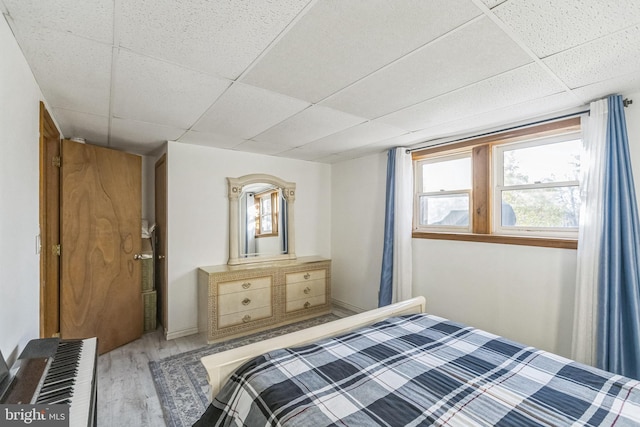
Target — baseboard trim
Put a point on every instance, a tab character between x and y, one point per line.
179	334
347	306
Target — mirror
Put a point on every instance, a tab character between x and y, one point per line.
261	214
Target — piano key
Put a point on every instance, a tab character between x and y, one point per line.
51	388
82	407
71	380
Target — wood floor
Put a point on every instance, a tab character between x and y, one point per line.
126	393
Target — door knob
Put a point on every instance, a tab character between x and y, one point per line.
142	256
161	256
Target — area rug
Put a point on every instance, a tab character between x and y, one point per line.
181	380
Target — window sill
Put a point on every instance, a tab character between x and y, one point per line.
502	239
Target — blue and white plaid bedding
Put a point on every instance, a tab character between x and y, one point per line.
421	370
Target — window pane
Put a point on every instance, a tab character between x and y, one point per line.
266	224
444	210
543	163
544	207
266	205
446	175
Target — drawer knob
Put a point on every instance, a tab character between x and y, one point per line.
246	285
307	290
246	301
307	304
306	276
246	319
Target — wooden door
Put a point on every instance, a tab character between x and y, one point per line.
100	289
49	225
161	237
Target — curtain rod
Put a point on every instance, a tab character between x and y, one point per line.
626	102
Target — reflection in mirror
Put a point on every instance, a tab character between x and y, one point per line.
262	223
260	219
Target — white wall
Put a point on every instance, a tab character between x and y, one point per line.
524	293
358	189
521	292
632	115
198	216
19	222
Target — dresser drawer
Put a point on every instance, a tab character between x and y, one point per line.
243	301
244	285
238	300
301	290
244	317
302	304
305	276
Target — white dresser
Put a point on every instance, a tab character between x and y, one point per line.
243	299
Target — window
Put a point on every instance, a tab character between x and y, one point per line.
519	187
444	193
537	188
266	214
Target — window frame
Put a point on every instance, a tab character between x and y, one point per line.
418	193
498	186
258	198
483	205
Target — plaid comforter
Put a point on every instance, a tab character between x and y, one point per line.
422	370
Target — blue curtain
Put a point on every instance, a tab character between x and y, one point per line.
385	295
618	342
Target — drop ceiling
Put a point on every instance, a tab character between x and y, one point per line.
324	80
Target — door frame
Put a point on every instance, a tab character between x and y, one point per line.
49	215
161	261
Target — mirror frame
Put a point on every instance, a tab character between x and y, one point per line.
235	189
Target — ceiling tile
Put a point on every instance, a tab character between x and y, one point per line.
300	154
492	3
245	111
324	75
155	91
73	73
329	159
316	153
311	124
73	124
401	141
357	136
620	85
90	19
222	37
141	137
210	139
261	147
548	27
405	140
347	155
528	111
470	54
520	85
338	42
616	55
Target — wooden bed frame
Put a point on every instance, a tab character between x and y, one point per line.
221	365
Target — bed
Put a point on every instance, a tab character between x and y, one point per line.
399	366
